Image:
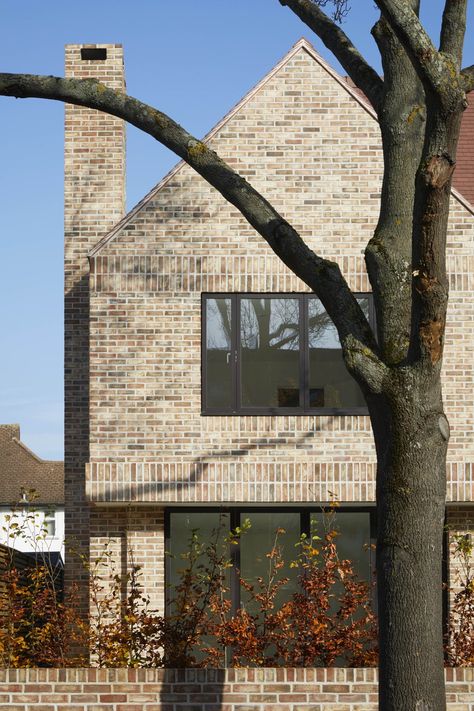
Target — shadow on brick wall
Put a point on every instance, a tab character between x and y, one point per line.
193	689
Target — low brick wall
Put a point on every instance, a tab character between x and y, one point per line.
206	689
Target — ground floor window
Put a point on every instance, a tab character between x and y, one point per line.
356	527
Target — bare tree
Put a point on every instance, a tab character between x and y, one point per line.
419	104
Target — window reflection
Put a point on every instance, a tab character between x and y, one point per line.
353	539
269	353
258	542
330	384
219	394
270	343
211	529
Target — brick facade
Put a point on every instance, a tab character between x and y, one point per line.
311	145
94	195
207	689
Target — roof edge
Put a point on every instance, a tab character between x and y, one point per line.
35	456
464	201
302	43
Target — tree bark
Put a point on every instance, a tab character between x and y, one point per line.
411	433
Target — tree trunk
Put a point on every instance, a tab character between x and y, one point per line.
411	433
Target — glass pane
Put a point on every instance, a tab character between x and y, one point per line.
210	528
270	344
50	524
330	384
218	354
354	530
258	541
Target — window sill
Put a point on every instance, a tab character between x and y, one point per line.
288	412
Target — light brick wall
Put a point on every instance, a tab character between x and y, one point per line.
134	419
207	689
94	201
314	151
133	536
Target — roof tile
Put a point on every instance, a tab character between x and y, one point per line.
21	468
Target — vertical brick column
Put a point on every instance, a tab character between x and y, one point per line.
94	200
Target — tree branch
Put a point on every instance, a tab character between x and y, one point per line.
453	28
361	73
435	69
322	276
366	367
467	78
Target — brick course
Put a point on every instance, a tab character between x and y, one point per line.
207	689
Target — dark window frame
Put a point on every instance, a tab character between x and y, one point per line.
237	410
234	521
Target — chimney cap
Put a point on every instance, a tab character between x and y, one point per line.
94	54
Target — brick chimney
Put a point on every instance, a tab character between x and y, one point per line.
94	200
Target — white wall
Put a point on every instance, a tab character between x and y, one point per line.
25	529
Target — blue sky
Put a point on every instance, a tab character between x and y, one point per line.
194	60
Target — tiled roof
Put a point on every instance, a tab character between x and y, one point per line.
21	468
463	179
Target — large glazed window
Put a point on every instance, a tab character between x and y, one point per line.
274	353
282	526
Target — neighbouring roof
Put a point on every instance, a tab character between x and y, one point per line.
463	178
21	468
463	181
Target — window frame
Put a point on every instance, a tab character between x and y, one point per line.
234	520
238	410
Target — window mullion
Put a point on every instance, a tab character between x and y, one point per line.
304	358
236	351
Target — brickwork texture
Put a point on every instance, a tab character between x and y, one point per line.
207	689
136	440
309	145
94	194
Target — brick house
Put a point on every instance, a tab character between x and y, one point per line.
201	376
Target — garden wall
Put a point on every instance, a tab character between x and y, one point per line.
207	689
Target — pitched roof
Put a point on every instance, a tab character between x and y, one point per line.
463	188
302	44
463	177
21	468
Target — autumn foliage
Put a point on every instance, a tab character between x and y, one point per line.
460	638
327	620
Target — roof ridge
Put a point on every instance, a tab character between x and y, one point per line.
302	43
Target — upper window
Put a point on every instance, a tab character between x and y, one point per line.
277	353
